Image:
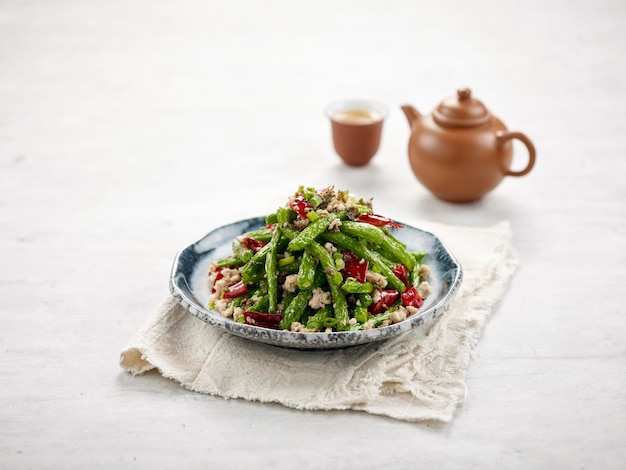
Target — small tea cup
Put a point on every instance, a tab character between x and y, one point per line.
356	129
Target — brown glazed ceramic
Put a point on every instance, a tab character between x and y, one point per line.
356	129
461	151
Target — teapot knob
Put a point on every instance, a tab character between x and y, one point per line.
464	94
461	110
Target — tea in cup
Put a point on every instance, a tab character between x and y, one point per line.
356	129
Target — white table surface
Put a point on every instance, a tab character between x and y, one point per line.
130	128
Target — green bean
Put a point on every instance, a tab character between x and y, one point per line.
320	277
414	274
284	216
311	232
306	273
360	314
270	219
394	250
327	262
362	230
241	255
255	265
391	234
291	268
255	277
262	234
261	305
340	305
283	219
271	272
373	257
355	287
287	298
245	254
365	300
288	232
295	309
315	322
230	261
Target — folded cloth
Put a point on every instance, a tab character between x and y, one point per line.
417	376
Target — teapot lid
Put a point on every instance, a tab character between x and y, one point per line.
461	111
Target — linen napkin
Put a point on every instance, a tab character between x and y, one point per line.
417	376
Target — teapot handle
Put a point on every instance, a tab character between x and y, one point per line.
504	136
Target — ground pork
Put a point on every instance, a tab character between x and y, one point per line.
223	306
335	206
424	289
299	328
334	225
300	224
291	283
328	246
229	277
237	313
378	280
411	310
319	299
398	315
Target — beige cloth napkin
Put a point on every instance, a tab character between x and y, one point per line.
417	376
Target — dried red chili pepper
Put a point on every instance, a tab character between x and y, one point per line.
378	220
236	290
300	206
354	267
402	273
265	320
252	243
411	298
386	300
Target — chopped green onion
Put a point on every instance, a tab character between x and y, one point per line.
339	262
316	200
286	260
312	216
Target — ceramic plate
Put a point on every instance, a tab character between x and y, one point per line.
189	286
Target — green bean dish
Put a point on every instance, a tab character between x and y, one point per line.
324	262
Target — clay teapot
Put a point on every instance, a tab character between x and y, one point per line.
461	151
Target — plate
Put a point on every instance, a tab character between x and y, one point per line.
190	287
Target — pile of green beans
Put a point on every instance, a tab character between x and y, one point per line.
306	239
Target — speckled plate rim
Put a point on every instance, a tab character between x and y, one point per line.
197	256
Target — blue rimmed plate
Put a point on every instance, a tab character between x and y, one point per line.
189	286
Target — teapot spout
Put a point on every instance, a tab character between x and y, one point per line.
411	114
